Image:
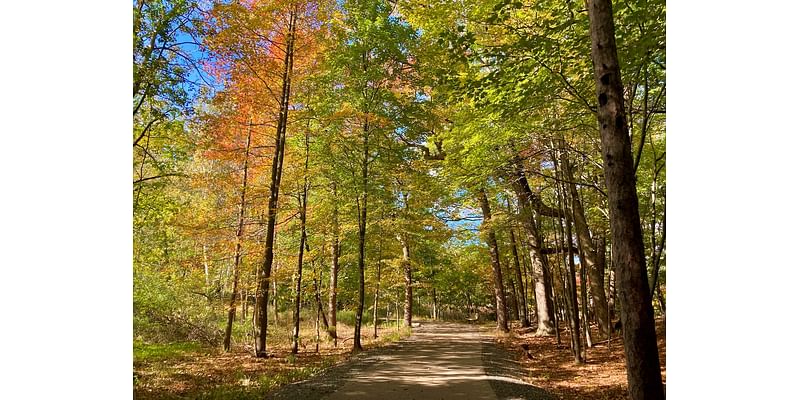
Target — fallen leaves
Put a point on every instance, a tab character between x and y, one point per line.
551	366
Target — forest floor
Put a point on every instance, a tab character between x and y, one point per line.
436	360
552	366
192	371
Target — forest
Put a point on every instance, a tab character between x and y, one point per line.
317	179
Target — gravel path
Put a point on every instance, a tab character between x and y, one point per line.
439	361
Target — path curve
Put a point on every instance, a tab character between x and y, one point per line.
439	361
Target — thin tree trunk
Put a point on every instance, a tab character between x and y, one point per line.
303	200
641	350
529	281
656	255
523	303
237	257
572	294
491	240
612	290
585	306
561	304
275	180
362	232
435	306
407	305
334	269
319	309
377	290
318	299
275	301
515	313
205	266
584	235
243	299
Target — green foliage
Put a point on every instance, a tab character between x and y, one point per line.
152	352
434	99
164	312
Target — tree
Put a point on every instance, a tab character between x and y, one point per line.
641	351
238	252
494	252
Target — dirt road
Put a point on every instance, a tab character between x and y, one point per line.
439	361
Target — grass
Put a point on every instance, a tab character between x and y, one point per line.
152	352
250	388
192	371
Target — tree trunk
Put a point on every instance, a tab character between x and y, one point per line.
523	296
515	311
237	257
318	298
303	200
435	305
319	309
527	270
491	240
362	232
541	273
572	294
275	301
377	292
205	268
243	299
585	306
585	242
641	350
407	306
612	290
275	181
334	269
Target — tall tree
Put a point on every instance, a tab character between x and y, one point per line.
523	301
588	255
238	252
303	206
408	298
335	249
641	351
494	252
541	273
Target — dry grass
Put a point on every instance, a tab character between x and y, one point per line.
602	377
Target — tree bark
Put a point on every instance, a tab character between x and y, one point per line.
303	199
515	309
275	180
522	304
641	350
407	306
318	298
362	232
541	273
334	269
572	295
237	257
275	300
612	288
435	305
377	290
585	242
491	240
